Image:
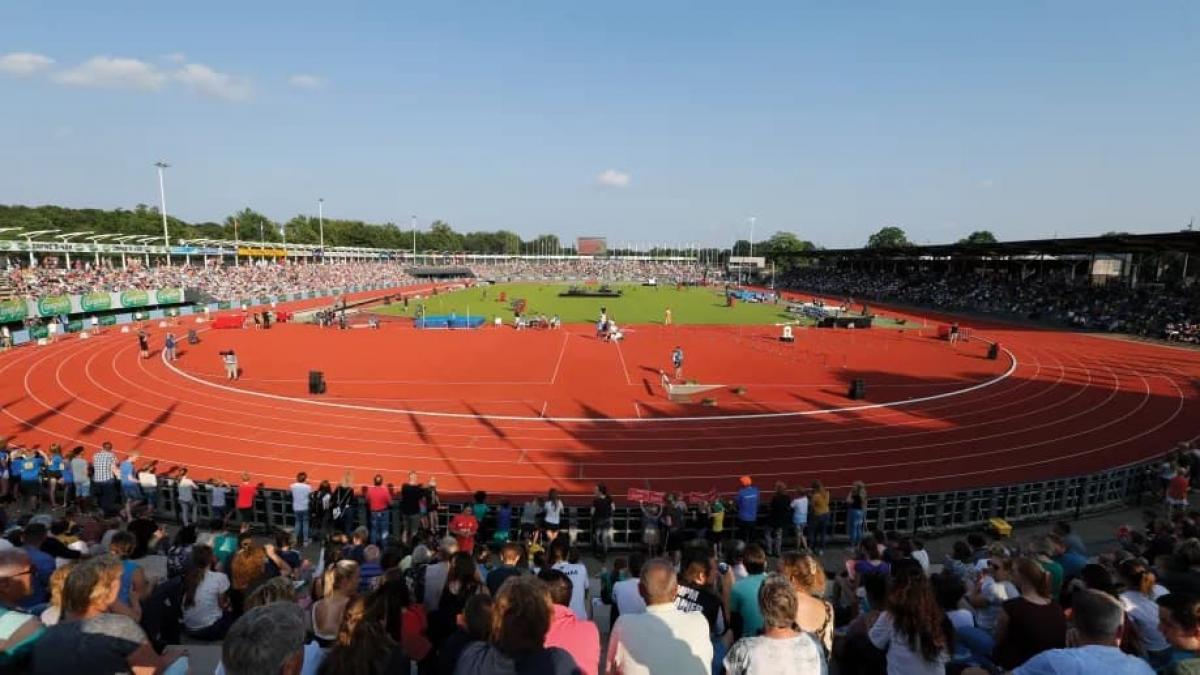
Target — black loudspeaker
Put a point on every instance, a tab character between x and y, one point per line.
858	389
316	382
994	351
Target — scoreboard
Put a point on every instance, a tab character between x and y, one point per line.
591	245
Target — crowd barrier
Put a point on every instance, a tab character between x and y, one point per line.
924	515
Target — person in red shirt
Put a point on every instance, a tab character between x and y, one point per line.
579	637
1177	490
246	493
379	502
463	528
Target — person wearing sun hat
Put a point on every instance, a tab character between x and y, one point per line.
746	503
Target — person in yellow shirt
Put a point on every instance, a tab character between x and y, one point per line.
818	517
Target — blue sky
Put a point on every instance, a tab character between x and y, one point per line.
643	122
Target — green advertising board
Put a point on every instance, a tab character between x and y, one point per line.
96	302
110	320
74	326
170	296
54	305
224	304
135	298
13	310
38	332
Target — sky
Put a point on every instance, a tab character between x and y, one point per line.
642	122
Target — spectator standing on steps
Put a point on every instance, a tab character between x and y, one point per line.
746	503
379	501
300	496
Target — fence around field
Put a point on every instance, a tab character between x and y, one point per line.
928	514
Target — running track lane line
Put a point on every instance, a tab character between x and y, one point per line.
624	368
561	353
1012	367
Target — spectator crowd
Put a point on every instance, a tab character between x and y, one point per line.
1152	310
369	579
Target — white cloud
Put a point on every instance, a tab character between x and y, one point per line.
22	64
613	178
307	81
205	80
114	73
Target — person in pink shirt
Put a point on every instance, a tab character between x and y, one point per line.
379	502
579	638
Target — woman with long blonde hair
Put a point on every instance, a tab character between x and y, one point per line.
340	587
813	614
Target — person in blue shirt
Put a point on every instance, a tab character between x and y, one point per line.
4	468
129	482
747	509
55	466
29	468
41	564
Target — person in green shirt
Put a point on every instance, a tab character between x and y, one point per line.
1042	549
225	544
743	598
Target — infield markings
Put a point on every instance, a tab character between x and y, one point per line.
562	352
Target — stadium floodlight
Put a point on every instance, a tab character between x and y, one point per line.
65	237
162	193
321	219
29	240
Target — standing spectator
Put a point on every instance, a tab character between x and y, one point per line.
206	609
379	500
521	617
169	347
530	515
19	630
29	467
463	527
363	646
462	581
663	639
79	473
578	574
1032	622
651	526
411	495
436	574
218	493
552	512
510	555
913	630
90	639
602	513
300	493
480	509
781	648
799	506
779	518
746	504
54	474
577	636
148	482
185	489
127	474
246	493
320	511
697	579
818	520
266	640
856	512
743	599
813	614
344	503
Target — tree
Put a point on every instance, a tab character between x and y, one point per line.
889	237
741	248
978	238
782	247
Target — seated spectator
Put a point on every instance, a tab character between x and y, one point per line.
282	559
578	637
813	614
1179	621
462	581
363	646
627	598
340	587
855	653
912	629
662	639
90	639
577	572
19	631
521	616
247	569
53	613
781	648
370	571
134	586
474	623
991	591
743	599
1139	601
41	565
1031	623
267	640
1096	620
179	555
406	620
510	556
206	606
435	574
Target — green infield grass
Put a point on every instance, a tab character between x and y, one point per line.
637	305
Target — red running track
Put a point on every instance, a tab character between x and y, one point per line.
511	412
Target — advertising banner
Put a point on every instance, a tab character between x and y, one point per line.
57	305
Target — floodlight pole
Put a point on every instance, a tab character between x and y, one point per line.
162	193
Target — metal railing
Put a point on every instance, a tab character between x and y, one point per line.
925	514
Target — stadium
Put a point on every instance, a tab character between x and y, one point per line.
780	340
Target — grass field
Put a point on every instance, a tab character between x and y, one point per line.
638	305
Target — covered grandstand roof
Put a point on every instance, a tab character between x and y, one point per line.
1185	241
